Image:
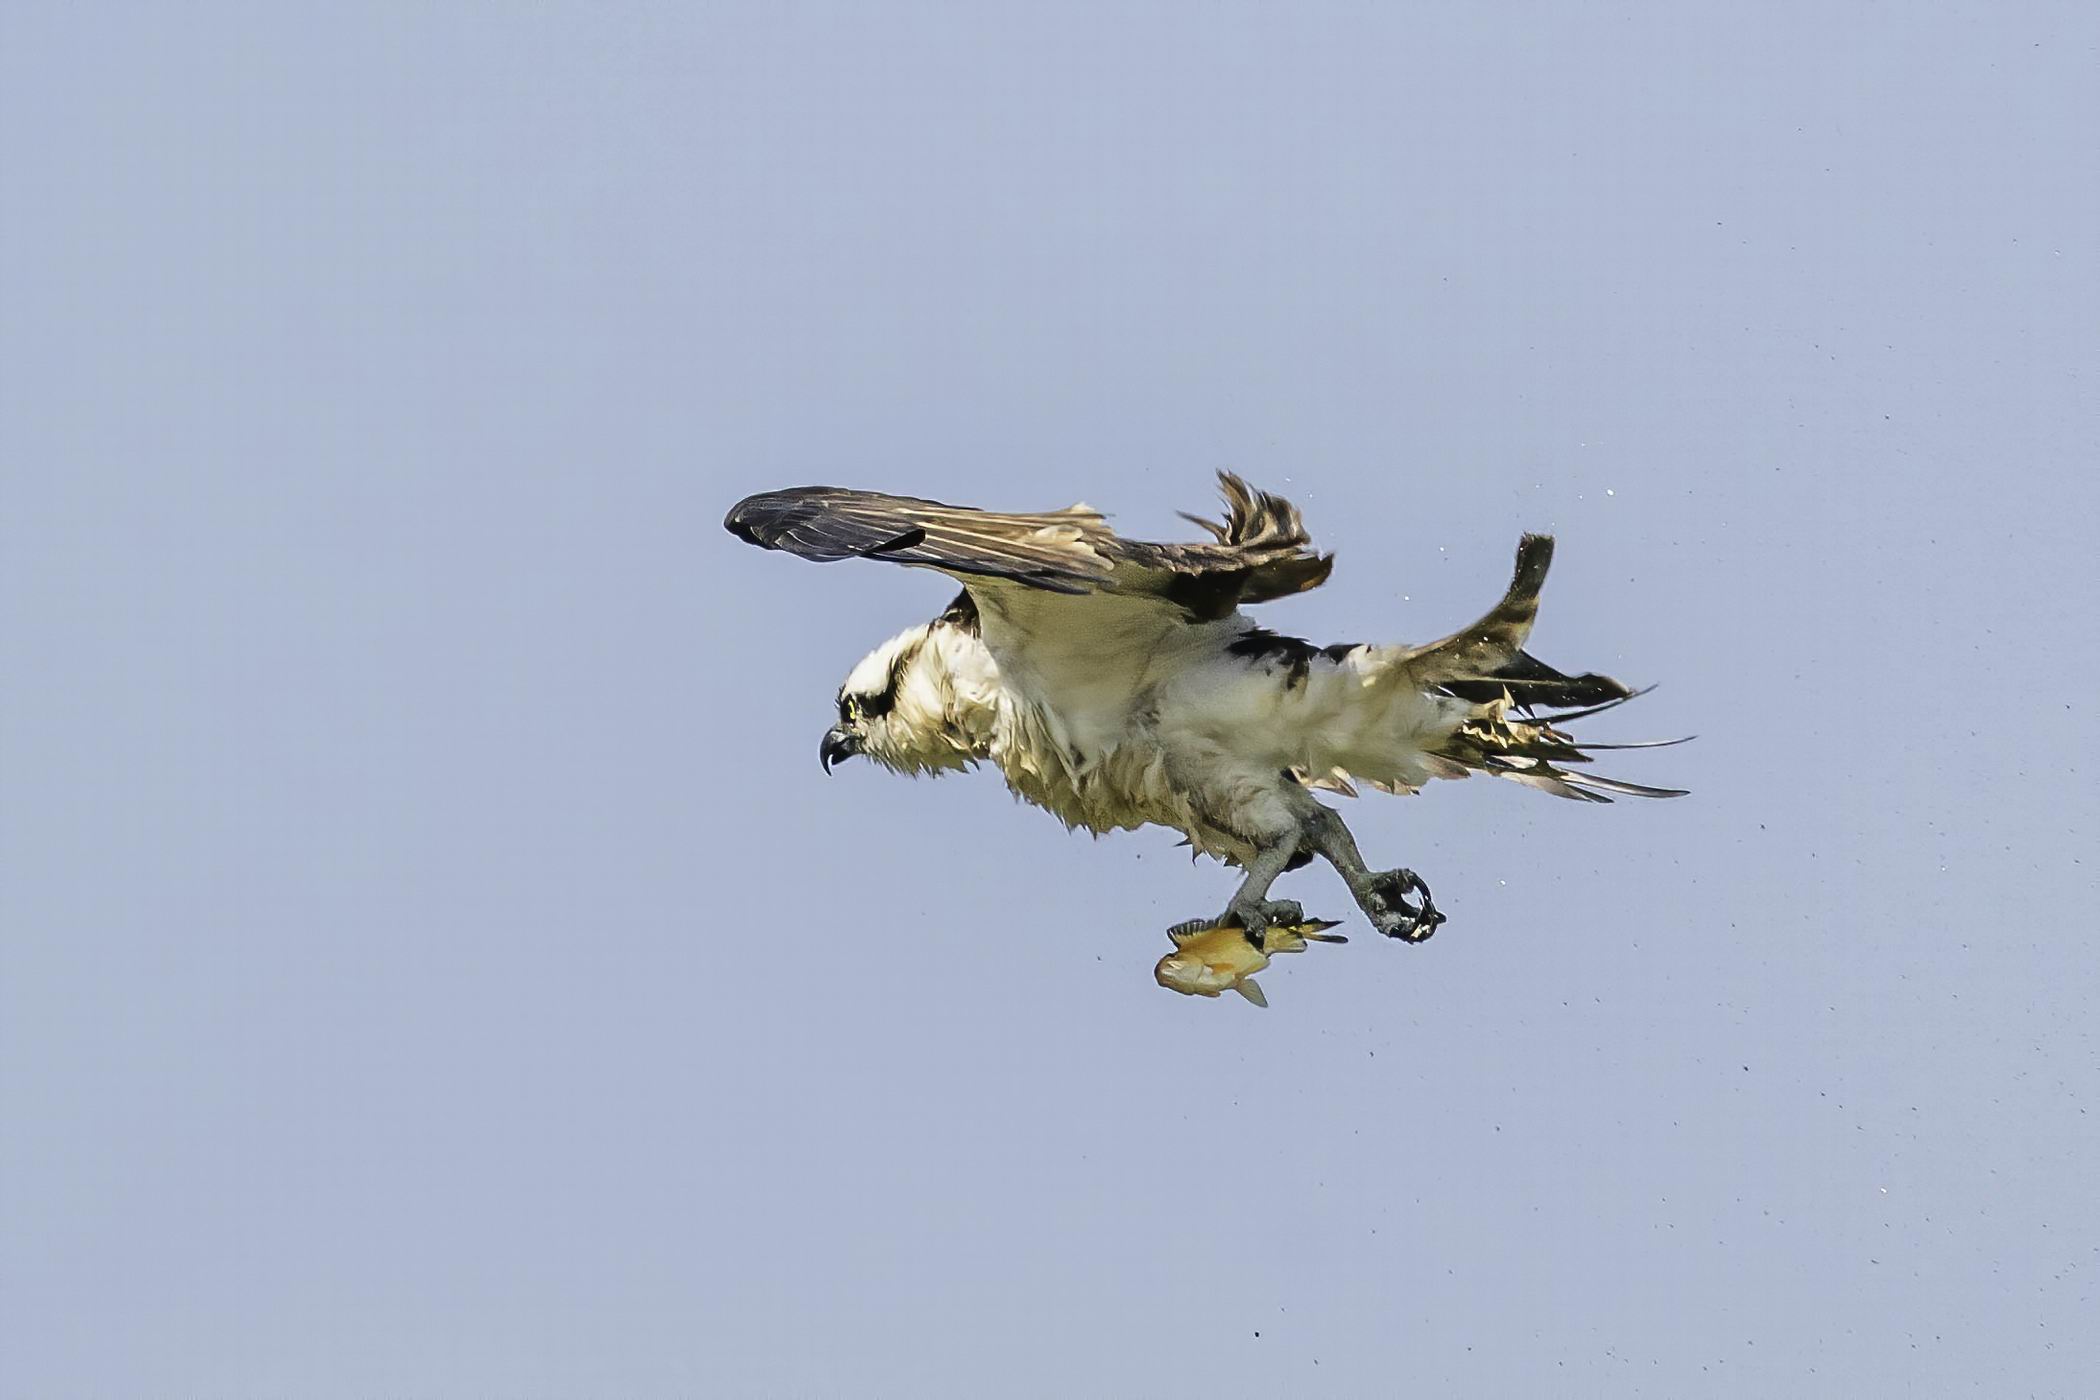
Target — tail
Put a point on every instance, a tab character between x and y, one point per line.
1487	664
1534	751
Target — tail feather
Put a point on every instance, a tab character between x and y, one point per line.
1557	784
1536	753
1598	709
1517	702
1588	747
1531	684
1619	785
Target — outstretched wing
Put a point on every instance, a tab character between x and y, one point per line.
1494	642
1258	552
1058	551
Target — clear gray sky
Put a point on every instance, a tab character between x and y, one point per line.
434	964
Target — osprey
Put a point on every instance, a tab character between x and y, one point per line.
1117	683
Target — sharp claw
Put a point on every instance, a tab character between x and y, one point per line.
1255	920
1254	926
1424	926
1391	913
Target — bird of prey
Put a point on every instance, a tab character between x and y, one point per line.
1117	683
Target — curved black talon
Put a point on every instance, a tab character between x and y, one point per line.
1391	913
1256	920
1426	923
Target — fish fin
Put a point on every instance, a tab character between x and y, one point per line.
1181	933
1251	990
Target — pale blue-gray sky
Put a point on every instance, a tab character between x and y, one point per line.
434	964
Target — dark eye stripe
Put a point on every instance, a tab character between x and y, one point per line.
876	706
852	707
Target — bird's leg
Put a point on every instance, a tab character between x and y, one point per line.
1251	907
1381	894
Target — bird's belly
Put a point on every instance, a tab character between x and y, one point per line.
1137	781
1313	721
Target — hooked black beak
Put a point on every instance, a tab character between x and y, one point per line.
837	748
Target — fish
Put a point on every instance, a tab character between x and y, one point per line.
1212	958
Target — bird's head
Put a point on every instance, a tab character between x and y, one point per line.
923	702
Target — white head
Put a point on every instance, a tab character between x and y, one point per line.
925	701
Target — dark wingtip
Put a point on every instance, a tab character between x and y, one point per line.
737	525
761	519
1534	557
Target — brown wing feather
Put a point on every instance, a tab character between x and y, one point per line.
1058	551
1258	552
1496	640
1264	535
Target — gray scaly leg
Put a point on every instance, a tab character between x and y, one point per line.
1251	907
1381	894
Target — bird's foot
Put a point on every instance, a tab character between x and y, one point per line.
1386	905
1255	916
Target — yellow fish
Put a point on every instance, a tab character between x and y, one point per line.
1213	958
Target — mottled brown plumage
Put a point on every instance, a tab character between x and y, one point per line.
1260	551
